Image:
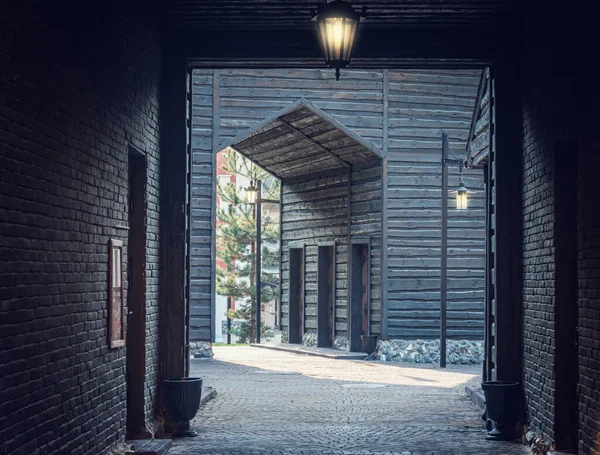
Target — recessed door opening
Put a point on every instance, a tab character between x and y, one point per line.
136	296
326	296
296	301
360	267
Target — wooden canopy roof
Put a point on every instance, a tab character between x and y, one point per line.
301	139
478	145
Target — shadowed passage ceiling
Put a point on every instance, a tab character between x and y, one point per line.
190	15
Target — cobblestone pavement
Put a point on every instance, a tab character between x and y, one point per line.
271	402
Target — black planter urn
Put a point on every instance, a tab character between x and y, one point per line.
502	407
369	343
182	398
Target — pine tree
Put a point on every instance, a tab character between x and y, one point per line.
236	244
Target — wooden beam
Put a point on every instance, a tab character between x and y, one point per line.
508	213
216	136
173	200
319	146
384	206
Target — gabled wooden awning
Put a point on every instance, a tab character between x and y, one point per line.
301	139
478	145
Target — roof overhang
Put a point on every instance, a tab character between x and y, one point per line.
301	139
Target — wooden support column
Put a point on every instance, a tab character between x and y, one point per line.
173	196
216	138
444	253
384	211
508	164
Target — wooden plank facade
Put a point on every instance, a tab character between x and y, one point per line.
403	112
422	104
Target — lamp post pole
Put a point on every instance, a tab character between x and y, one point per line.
258	259
444	254
462	205
228	320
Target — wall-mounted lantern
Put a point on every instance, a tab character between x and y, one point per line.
337	22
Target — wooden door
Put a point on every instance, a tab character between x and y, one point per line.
136	296
296	301
325	295
566	310
359	294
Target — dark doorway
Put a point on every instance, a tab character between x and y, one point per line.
296	325
359	294
136	296
325	295
566	306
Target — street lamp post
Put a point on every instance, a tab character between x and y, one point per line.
258	257
461	204
254	195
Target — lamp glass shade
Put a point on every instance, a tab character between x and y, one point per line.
337	23
251	192
462	199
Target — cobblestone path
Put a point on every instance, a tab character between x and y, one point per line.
272	402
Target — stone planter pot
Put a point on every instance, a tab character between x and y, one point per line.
369	343
182	399
502	407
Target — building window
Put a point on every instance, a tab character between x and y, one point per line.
116	326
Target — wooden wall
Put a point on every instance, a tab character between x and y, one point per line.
422	104
202	206
315	211
410	109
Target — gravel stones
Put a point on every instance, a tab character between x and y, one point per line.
201	349
428	351
309	339
341	343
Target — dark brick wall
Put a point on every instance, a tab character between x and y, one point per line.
538	274
78	84
589	296
588	210
548	118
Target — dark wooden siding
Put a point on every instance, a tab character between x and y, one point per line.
314	211
422	104
366	222
248	96
201	205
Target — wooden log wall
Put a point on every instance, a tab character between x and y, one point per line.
419	105
422	104
314	211
366	223
202	205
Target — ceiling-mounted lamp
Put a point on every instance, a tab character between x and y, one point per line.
337	22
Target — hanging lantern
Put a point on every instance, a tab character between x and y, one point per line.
251	192
462	200
337	23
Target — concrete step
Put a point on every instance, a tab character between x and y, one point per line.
317	352
476	395
208	393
